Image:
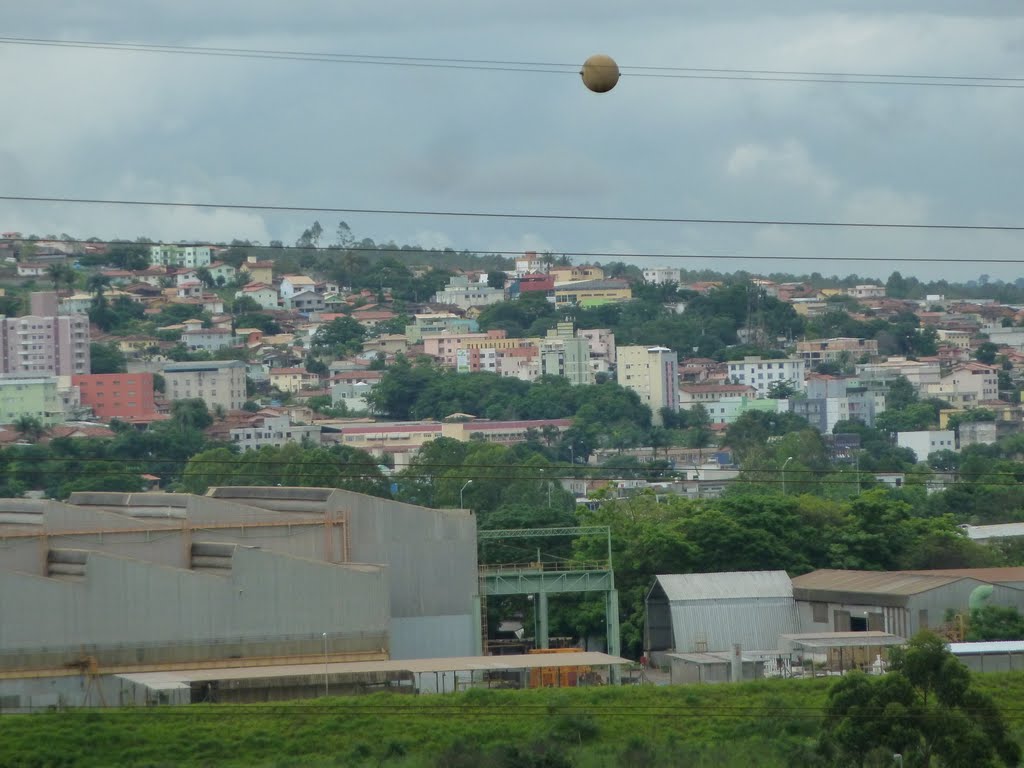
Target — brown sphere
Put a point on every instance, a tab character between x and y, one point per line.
600	73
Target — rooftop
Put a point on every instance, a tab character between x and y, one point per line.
725	585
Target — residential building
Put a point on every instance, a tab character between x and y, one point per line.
44	343
527	263
352	389
210	339
462	294
920	373
222	273
387	344
191	256
565	354
575	274
653	373
274	431
708	394
815	351
435	323
592	293
867	292
35	397
293	284
263	294
217	383
259	271
728	409
32	269
954	337
445	346
967	385
125	396
926	442
532	283
602	347
662	275
762	374
293	379
305	302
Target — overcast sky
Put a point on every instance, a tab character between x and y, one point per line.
202	129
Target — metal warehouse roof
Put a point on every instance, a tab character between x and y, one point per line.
973	649
993	575
999	531
823	640
872	582
454	664
726	585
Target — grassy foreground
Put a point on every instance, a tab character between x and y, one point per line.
756	725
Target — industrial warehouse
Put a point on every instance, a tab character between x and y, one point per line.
718	627
112	583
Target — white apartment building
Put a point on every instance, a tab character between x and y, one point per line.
191	256
462	294
867	291
918	373
602	346
709	394
927	441
761	374
218	382
653	373
275	431
661	275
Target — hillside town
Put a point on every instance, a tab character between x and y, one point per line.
278	357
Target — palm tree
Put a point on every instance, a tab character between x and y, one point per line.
29	427
97	284
56	274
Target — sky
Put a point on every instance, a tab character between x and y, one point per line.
148	126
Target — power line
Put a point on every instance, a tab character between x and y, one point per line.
499	65
385	250
516	216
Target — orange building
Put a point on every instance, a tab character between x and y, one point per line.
126	396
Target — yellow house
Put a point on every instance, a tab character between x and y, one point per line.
592	292
575	274
293	379
259	271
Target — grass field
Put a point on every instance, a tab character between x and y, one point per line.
756	725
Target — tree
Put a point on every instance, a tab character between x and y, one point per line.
190	414
106	358
244	305
924	709
781	390
342	336
995	622
204	276
29	427
496	279
986	353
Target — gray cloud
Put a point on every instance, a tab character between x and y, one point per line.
96	124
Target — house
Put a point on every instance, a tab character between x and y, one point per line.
264	295
388	344
32	269
576	274
222	273
589	293
273	431
210	339
305	301
189	289
462	294
662	275
372	318
293	379
259	271
293	284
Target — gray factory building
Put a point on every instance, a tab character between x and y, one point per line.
131	582
899	602
711	612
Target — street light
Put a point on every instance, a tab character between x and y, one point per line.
463	488
784	474
327	689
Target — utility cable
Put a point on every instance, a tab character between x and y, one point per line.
518	216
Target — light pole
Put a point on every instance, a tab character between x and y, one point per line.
327	689
461	490
784	474
572	455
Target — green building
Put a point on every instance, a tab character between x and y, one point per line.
37	398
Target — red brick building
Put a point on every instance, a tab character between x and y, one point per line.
126	396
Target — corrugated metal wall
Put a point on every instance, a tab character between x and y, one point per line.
715	625
266	603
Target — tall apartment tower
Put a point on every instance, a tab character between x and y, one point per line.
44	343
653	373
